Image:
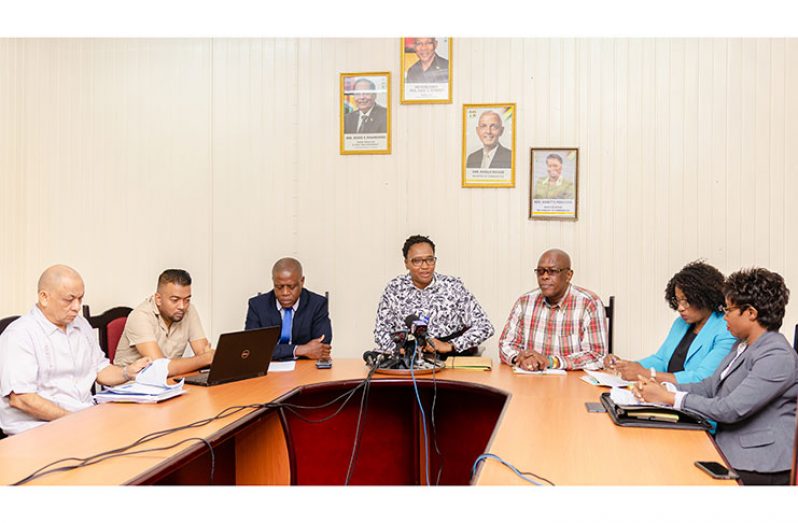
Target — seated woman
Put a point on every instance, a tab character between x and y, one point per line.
698	339
752	394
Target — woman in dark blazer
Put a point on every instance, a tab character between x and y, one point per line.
752	394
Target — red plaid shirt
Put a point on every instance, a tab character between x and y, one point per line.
575	330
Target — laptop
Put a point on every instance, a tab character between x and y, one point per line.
240	356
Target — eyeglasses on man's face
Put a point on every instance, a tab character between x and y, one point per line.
426	260
542	271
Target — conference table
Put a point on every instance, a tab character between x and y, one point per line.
300	428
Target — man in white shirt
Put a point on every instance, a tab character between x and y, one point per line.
49	357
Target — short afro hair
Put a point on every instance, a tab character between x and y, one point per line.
416	238
702	285
761	289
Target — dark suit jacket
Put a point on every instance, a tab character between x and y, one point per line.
754	404
377	122
503	159
310	321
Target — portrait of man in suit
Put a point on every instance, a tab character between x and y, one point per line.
431	68
492	154
370	117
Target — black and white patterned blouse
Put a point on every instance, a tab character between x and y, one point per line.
447	303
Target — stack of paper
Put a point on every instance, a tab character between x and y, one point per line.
469	362
604	379
150	387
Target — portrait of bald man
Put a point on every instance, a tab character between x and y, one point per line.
303	316
50	357
492	154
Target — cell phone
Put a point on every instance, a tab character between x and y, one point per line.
323	364
716	470
594	407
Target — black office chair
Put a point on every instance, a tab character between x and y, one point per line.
795	339
110	324
5	322
609	310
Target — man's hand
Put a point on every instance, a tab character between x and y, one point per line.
629	370
314	349
138	366
532	360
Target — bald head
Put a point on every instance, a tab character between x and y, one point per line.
554	274
558	257
52	277
287	265
60	295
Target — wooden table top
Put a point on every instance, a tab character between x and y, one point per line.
544	429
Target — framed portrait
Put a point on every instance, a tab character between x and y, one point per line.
553	183
426	70
365	113
489	145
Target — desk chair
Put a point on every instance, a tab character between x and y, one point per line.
5	322
111	324
609	310
795	338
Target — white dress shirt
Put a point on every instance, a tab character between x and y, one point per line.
38	357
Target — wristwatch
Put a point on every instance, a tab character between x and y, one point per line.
653	373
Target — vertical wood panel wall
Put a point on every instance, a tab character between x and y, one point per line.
124	157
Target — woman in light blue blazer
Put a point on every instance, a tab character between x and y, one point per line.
698	339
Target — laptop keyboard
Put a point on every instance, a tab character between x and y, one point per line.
199	378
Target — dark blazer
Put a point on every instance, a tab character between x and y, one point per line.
754	404
310	321
503	159
377	122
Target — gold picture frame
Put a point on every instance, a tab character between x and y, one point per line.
426	86
498	168
553	183
366	132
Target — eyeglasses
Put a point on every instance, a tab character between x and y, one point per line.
418	262
542	271
727	310
676	302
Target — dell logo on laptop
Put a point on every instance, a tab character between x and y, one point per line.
245	354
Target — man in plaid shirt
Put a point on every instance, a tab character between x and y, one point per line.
558	325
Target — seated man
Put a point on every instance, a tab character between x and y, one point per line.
302	315
163	324
557	325
50	358
457	324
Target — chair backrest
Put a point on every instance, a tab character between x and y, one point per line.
610	312
5	322
111	325
795	339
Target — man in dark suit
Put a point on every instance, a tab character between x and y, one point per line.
492	155
302	315
369	117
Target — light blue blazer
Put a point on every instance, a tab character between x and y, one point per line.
711	345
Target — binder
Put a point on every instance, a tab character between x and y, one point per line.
653	417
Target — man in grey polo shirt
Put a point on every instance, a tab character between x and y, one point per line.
162	326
